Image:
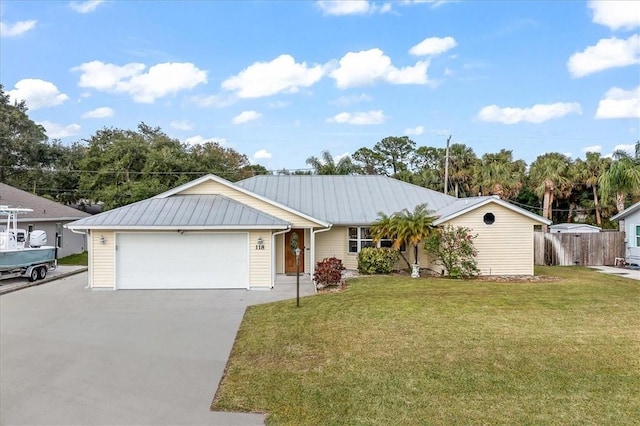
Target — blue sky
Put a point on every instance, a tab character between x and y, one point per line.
281	81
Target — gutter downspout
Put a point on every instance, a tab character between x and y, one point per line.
312	263
90	258
274	252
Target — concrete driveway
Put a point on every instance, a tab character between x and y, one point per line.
70	356
634	274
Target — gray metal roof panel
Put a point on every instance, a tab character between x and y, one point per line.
182	211
43	209
345	199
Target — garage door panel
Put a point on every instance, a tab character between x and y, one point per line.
182	261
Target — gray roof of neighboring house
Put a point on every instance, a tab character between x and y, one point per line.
626	212
182	212
43	209
569	226
344	199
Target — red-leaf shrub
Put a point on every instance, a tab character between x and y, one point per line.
328	272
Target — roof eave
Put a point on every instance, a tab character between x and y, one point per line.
515	209
177	227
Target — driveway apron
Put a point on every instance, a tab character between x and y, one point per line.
69	355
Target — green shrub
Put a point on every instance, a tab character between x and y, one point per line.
372	260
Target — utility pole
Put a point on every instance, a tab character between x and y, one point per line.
446	167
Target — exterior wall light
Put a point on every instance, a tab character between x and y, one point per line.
259	244
102	240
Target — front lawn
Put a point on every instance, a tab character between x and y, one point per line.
392	351
81	259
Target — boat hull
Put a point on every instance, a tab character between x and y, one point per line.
15	259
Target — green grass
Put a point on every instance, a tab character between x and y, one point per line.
397	351
81	259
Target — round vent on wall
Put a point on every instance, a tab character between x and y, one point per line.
489	218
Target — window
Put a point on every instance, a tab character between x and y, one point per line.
360	237
637	235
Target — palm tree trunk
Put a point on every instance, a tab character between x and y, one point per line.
597	205
620	201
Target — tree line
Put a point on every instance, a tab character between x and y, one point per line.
117	167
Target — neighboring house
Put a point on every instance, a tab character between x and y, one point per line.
48	216
211	233
572	228
629	222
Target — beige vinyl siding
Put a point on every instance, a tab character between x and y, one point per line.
211	187
102	263
260	260
506	246
333	243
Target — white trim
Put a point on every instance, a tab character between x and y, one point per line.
312	251
498	201
626	212
274	254
228	184
181	228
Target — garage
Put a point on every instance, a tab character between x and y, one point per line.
182	260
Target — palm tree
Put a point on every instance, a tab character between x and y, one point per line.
327	165
404	228
622	177
549	177
461	161
498	174
589	172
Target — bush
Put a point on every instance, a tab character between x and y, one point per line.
372	260
453	248
328	272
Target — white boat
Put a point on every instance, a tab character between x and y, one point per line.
22	252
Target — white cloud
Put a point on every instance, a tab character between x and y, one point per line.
102	112
198	140
159	81
282	75
539	113
38	93
279	104
342	7
181	125
592	148
262	154
358	118
616	14
630	148
607	53
217	101
351	99
619	103
418	130
58	131
433	46
85	6
20	27
367	66
245	117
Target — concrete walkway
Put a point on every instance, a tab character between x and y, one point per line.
623	272
73	356
61	271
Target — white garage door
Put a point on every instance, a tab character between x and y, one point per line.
170	260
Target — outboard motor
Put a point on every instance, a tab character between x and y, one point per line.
37	238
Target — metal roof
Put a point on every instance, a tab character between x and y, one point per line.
43	209
182	212
626	212
345	199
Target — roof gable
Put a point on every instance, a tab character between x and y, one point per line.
182	212
230	189
465	205
43	209
628	211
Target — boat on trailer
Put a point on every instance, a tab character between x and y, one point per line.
23	253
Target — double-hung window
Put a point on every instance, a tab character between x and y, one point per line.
360	237
637	235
